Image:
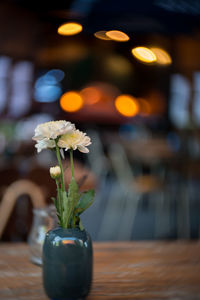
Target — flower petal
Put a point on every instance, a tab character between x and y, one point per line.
83	149
53	129
45	144
73	140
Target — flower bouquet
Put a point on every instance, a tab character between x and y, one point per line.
67	250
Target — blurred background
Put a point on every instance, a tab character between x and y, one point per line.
128	74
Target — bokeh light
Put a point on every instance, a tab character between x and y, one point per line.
57	74
144	54
162	57
91	95
47	93
71	101
127	105
117	36
145	106
47	87
70	28
52	77
102	35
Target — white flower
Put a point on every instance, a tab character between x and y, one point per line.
51	130
45	144
46	133
75	139
55	172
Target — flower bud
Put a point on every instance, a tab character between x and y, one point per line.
55	172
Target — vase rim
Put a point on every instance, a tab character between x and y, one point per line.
67	229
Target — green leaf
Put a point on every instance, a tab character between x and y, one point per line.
81	225
59	219
65	208
72	200
57	209
73	192
64	200
53	199
87	198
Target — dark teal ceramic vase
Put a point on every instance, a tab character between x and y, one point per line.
67	264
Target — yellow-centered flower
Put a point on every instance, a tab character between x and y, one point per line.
75	139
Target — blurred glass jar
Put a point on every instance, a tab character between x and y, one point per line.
42	222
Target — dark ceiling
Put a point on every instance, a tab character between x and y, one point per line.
159	16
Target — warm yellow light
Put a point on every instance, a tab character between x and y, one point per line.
162	57
71	101
101	35
91	95
70	29
117	36
126	105
144	54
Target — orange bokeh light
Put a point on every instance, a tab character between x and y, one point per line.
67	242
70	28
101	35
117	36
144	54
71	101
163	58
127	105
91	95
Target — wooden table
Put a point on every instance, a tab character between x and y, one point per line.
125	270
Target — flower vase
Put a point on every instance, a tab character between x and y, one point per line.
67	264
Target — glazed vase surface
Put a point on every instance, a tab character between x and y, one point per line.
67	264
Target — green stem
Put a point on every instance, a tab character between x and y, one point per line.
59	207
61	168
57	185
72	162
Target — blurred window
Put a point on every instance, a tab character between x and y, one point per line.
21	86
5	65
196	100
179	100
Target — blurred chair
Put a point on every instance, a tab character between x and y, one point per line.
96	157
183	211
123	202
40	176
12	193
99	165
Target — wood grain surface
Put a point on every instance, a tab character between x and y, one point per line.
122	270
